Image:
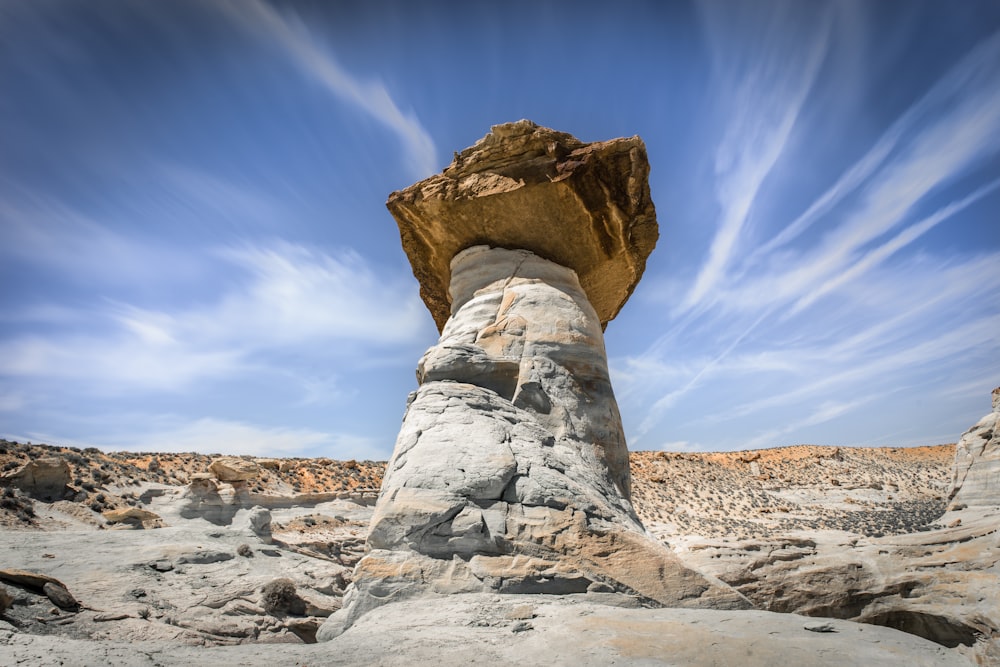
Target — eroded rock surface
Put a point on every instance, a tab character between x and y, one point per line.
232	469
584	206
940	584
45	478
976	480
510	472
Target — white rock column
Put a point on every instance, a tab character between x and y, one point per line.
510	472
976	472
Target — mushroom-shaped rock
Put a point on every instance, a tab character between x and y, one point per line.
232	469
510	472
583	206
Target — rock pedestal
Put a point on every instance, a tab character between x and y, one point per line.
976	477
510	473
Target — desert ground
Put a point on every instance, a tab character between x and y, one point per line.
164	561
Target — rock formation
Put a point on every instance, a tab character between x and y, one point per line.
510	472
976	478
45	478
231	469
584	206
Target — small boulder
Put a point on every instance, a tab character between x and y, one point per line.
133	515
232	469
60	596
259	523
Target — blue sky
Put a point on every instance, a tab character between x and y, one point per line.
195	253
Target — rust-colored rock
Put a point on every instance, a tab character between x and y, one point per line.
584	206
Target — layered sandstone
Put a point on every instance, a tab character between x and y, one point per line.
976	478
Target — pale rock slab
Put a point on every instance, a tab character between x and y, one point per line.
976	478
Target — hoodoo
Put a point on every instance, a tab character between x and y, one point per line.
511	472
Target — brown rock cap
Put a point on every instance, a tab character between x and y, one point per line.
522	186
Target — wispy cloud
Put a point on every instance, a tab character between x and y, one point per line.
960	106
767	98
804	324
294	296
46	233
315	58
946	135
824	413
878	255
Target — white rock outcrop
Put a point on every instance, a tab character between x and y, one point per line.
976	478
510	472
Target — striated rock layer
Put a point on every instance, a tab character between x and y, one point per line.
976	479
584	206
510	472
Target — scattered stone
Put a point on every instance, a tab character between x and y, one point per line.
6	600
162	565
259	523
60	596
132	515
521	612
203	557
304	628
104	618
521	626
819	627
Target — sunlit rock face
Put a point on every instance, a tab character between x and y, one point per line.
510	472
515	406
585	206
976	479
523	328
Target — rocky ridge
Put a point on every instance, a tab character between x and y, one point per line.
187	581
